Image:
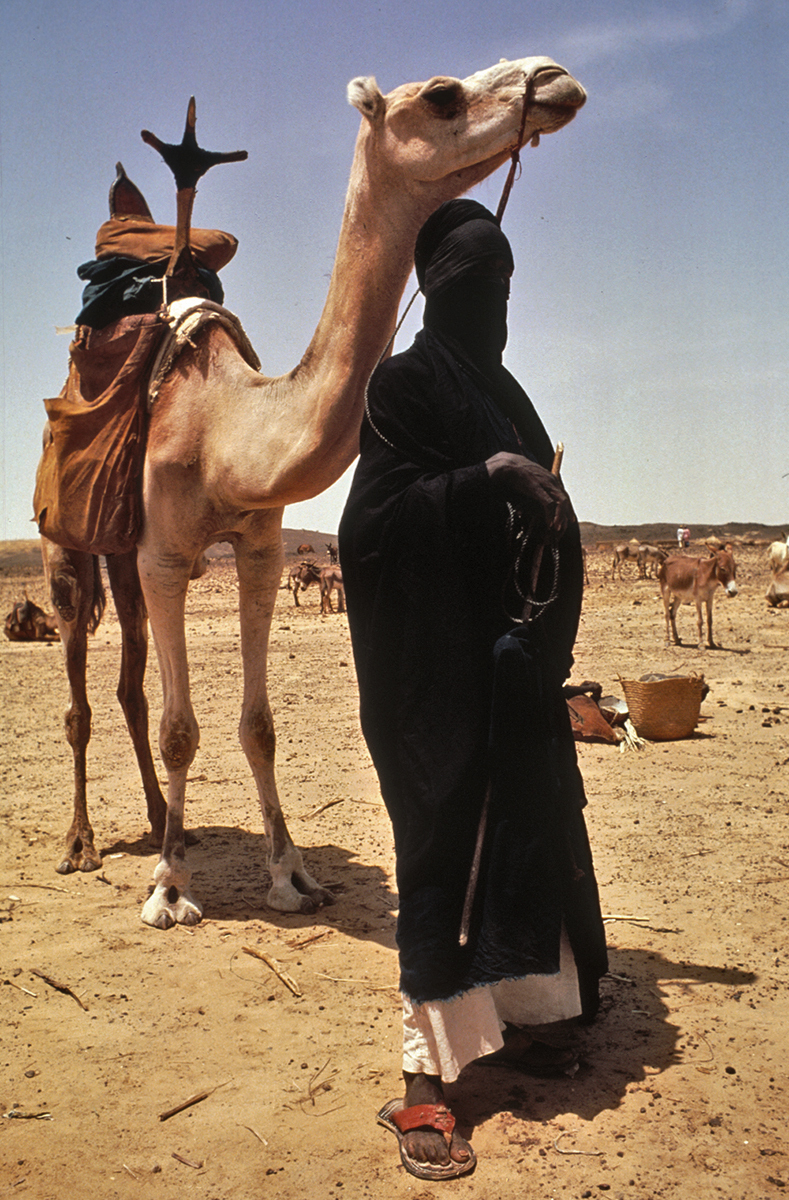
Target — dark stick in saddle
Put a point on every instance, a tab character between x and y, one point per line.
188	163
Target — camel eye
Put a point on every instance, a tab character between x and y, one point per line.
444	95
441	95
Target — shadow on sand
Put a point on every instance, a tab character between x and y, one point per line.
632	1040
231	879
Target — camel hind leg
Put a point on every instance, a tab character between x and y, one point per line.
259	565
78	600
133	620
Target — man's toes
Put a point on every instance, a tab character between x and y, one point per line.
428	1148
459	1151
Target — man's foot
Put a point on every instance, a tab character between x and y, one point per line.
525	1053
426	1145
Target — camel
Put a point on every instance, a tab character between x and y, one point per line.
26	622
228	448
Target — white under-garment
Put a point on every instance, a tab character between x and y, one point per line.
441	1037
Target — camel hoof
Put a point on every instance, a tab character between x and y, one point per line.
78	862
166	906
163	920
287	898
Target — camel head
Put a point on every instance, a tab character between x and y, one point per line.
440	138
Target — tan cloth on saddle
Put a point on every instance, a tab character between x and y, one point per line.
88	483
140	237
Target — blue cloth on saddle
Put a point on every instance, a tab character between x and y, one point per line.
119	287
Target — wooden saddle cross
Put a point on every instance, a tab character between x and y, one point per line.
188	163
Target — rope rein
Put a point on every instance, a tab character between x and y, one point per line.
515	152
367	412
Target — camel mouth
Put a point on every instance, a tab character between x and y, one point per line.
559	91
556	99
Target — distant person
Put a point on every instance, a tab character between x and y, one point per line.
680	537
685	538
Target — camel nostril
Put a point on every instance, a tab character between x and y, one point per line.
172	895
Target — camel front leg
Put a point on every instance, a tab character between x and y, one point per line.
165	580
77	594
259	570
133	620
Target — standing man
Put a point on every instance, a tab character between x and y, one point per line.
453	522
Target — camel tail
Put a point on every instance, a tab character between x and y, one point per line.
99	601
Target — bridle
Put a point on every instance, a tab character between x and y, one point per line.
515	152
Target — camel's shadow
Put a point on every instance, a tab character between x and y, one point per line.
632	1040
231	879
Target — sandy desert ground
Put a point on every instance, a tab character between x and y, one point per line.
681	1090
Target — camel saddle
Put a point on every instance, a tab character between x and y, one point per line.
88	493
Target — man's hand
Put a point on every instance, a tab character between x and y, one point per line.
518	476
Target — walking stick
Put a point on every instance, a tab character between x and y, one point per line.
473	878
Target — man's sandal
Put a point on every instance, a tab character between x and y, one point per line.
400	1120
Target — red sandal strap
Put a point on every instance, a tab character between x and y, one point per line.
425	1116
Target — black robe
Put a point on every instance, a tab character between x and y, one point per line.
453	692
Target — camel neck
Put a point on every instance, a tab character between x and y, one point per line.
372	264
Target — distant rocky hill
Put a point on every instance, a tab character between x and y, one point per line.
291	540
655	534
26	555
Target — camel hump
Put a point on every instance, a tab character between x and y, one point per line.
126	199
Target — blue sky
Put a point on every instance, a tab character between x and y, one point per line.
649	312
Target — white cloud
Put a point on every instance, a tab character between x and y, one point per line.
598	42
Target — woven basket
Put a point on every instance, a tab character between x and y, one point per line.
664	710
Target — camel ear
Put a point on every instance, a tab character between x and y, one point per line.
364	94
